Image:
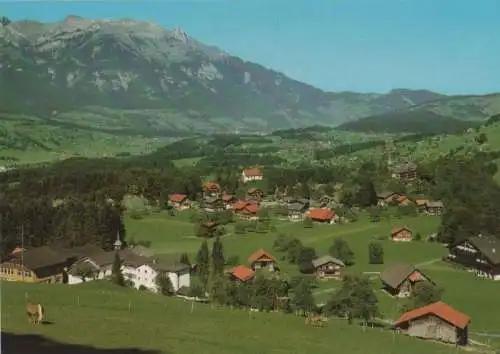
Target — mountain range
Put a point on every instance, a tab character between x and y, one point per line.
131	77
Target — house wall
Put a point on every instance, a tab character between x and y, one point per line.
181	206
328	270
101	273
146	276
250	178
432	327
466	255
261	264
402	236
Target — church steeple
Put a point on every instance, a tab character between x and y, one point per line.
118	243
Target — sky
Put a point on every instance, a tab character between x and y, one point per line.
448	46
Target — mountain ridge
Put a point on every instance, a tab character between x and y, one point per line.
164	80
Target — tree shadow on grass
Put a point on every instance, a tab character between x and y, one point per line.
36	344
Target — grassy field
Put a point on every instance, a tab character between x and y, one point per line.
98	314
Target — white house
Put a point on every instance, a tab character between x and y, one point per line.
87	269
145	275
252	174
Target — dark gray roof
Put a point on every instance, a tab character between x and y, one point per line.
325	260
173	267
435	204
488	245
40	257
385	194
404	167
79	252
142	251
395	274
296	206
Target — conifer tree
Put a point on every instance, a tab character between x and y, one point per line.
116	271
203	264
218	260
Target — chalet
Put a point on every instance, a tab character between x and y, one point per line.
211	189
437	321
35	265
255	194
322	215
262	259
400	279
404	172
241	273
480	254
434	208
252	174
213	204
401	234
92	267
228	200
179	201
421	205
328	267
296	211
246	209
385	198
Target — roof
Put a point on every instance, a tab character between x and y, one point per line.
321	214
402	199
253	190
251	208
435	204
242	273
240	205
401	168
325	260
439	309
227	197
178	198
172	267
259	255
252	172
296	206
78	252
488	245
142	251
397	230
397	273
421	202
40	257
211	186
385	194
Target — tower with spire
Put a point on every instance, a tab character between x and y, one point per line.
118	243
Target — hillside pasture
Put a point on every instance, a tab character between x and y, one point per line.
100	315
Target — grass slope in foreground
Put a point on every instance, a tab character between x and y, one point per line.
98	314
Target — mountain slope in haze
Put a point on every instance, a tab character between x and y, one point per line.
138	76
449	115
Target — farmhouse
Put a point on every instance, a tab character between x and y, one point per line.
211	189
385	198
296	211
96	266
255	194
434	208
241	273
400	279
437	321
252	174
246	209
401	234
262	259
421	205
404	172
328	267
146	275
35	265
481	254
179	201
213	204
322	215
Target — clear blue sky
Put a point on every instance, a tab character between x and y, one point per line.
450	46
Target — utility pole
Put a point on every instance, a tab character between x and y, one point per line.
22	251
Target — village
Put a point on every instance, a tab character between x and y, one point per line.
141	269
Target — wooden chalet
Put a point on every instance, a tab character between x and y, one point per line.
262	259
401	234
386	198
211	189
252	174
322	215
213	204
404	172
481	254
434	207
246	209
328	267
421	205
241	274
399	279
437	321
35	265
179	201
255	194
296	211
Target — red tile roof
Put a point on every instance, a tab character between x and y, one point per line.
321	214
397	230
261	255
252	172
251	208
242	273
439	309
178	198
239	205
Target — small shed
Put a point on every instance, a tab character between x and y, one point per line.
328	267
399	279
437	321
